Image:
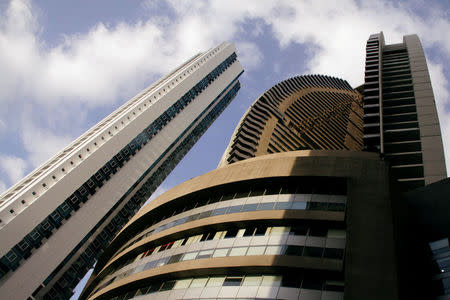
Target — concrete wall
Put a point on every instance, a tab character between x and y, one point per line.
369	265
430	132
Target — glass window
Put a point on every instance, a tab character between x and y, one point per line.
138	269
312	283
215	198
190	255
443	262
221	252
266	206
261	231
219	235
177	243
239	251
271	280
154	288
252	281
249	231
162	262
257	192
313	251
294	250
240	233
318	231
250	207
233	281
231	233
320	198
256	250
283	205
273	190
336	206
298	230
288	190
205	214
298	205
279	230
242	194
205	254
216	281
192	218
219	211
293	281
150	265
333	253
199	282
235	209
274	250
318	206
210	236
167	286
336	233
303	197
182	284
175	258
228	196
333	285
142	291
437	245
194	239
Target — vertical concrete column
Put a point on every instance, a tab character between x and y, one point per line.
430	133
370	262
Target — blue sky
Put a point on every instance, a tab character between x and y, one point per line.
65	65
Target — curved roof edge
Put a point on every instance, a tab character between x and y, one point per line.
291	85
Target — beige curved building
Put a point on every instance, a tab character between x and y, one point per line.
303	112
282	226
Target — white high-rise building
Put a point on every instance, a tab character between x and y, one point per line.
56	221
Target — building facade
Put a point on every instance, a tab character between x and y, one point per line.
400	117
303	112
297	209
57	221
278	226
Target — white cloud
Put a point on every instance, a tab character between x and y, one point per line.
104	63
13	166
336	35
2	126
249	55
41	144
93	68
110	61
441	95
2	187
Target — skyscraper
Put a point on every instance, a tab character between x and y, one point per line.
57	220
400	117
296	209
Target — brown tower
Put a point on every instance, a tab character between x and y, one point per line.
304	112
